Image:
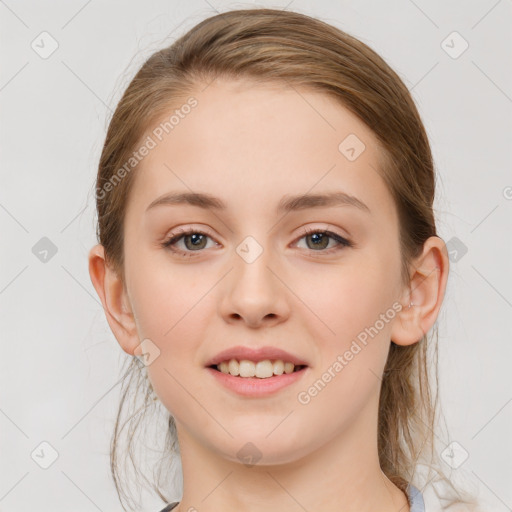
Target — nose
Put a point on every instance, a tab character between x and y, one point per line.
254	292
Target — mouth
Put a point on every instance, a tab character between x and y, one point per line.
256	379
266	369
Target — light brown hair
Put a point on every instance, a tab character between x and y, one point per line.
292	49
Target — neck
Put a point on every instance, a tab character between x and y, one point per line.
342	474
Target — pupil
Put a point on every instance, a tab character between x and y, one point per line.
319	237
196	240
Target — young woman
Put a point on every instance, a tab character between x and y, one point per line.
268	258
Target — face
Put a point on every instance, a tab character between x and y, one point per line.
311	279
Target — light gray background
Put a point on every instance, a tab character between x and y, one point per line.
59	364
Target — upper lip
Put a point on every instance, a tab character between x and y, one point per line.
255	354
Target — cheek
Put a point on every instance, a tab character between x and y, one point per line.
353	319
162	292
348	298
351	325
171	311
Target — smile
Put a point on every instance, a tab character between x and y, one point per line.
261	369
253	386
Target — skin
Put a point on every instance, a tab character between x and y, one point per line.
250	145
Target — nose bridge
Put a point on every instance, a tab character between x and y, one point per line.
252	275
253	292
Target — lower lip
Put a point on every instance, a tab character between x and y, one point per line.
254	386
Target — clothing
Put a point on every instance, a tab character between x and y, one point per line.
170	506
415	500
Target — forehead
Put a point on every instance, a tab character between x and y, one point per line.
252	143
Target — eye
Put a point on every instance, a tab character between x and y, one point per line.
318	240
193	239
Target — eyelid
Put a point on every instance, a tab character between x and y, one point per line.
187	230
326	228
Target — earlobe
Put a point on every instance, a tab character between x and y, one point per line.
426	290
112	293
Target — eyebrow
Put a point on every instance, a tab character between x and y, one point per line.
287	203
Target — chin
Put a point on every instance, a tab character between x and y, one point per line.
263	450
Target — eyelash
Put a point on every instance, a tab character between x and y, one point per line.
175	238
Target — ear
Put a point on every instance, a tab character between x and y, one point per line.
115	301
427	285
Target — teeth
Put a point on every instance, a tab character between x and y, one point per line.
261	369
